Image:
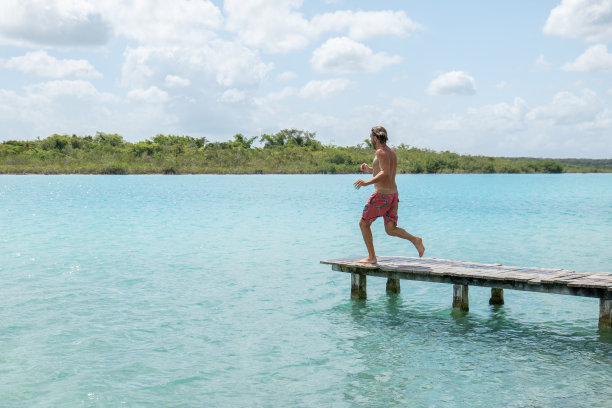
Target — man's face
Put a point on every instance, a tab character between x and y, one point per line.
373	139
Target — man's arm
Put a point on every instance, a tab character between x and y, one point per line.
366	169
385	170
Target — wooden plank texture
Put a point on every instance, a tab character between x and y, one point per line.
550	280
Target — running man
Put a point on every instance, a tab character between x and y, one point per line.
385	198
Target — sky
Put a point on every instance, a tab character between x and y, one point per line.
499	78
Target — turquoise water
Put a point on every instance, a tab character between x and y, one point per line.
177	291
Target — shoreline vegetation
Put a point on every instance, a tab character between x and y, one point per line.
289	151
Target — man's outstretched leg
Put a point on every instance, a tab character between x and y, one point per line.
367	238
395	231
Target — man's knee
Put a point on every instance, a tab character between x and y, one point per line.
363	224
390	228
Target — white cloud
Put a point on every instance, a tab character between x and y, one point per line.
78	107
587	19
267	109
401	116
163	22
570	126
272	25
502	85
452	83
325	89
276	26
266	103
224	63
594	59
495	119
499	118
286	76
89	23
363	25
235	64
282	94
60	106
601	123
453	123
41	64
53	23
542	64
567	109
174	81
343	55
73	89
150	95
501	129
232	96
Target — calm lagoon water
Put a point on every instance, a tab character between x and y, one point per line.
177	291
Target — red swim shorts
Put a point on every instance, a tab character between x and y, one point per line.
380	204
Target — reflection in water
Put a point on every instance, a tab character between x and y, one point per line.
605	335
402	352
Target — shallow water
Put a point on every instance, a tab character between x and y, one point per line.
207	290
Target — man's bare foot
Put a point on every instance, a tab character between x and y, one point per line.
419	246
368	260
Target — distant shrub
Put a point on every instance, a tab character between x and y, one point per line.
551	166
488	168
327	168
341	158
114	139
55	142
114	168
184	141
433	164
243	142
147	147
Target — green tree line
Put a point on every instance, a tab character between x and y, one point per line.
289	151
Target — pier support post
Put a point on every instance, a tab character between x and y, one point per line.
358	286
393	286
460	298
497	296
605	313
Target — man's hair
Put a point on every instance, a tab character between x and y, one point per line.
380	133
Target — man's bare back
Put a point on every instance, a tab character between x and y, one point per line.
384	201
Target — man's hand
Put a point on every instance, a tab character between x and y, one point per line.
365	168
360	183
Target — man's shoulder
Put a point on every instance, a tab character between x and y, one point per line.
384	151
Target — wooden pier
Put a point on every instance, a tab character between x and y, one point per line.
464	274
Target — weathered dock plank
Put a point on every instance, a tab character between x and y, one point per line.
463	274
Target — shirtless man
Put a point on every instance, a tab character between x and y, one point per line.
385	198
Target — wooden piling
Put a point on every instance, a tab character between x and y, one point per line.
497	296
460	298
605	313
498	277
393	286
358	286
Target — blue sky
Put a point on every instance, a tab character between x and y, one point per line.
502	78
